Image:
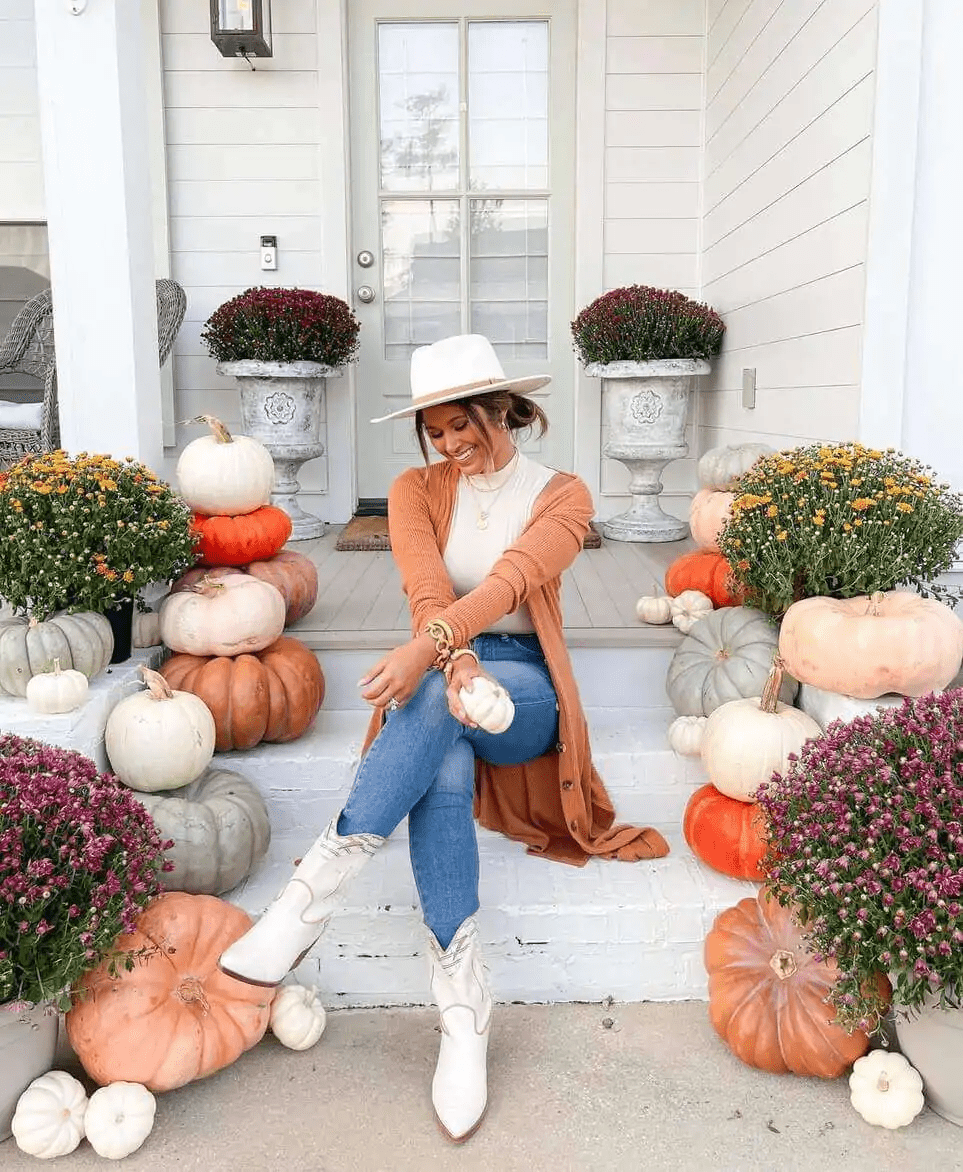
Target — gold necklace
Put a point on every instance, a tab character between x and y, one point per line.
481	514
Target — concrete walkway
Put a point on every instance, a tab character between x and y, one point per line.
574	1088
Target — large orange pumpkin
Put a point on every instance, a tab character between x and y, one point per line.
703	570
238	541
175	1016
727	835
271	695
767	994
295	575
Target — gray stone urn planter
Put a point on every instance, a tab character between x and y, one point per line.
932	1040
283	405
645	406
28	1042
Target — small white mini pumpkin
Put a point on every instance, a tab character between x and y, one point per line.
655	609
119	1118
159	739
685	735
49	1119
297	1016
57	691
146	629
488	704
885	1089
688	607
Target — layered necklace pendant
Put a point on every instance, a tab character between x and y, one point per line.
493	491
482	522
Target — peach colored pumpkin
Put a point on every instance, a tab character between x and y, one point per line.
230	615
870	645
295	575
175	1016
708	513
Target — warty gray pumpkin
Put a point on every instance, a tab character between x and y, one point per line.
82	642
220	828
727	656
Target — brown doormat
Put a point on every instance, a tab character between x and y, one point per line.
371	533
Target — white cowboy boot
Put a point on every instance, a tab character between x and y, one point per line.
459	982
282	936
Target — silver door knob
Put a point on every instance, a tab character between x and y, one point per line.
366	294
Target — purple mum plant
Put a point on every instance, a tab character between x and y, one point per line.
283	325
639	323
866	842
79	859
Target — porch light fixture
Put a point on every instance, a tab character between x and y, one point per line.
241	28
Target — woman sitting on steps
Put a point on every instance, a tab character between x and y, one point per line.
481	539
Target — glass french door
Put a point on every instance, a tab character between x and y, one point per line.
462	118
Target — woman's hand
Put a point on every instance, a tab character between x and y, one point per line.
397	675
464	670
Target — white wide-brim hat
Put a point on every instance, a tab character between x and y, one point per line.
456	368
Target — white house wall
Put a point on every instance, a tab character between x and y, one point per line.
21	189
788	118
653	134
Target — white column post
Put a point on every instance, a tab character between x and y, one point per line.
96	176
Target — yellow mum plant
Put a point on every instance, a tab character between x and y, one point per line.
839	520
85	532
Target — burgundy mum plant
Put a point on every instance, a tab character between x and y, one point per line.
640	324
79	859
283	325
866	841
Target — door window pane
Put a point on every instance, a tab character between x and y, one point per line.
418	106
508	266
508	104
421	275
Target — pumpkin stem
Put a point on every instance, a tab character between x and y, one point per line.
56	666
875	601
770	693
206	585
783	964
218	430
159	688
191	992
882	1083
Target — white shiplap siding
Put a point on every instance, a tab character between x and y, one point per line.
790	90
21	166
653	135
243	161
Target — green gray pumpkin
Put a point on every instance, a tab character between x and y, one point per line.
82	642
220	828
727	656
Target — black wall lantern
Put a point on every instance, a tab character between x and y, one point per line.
241	28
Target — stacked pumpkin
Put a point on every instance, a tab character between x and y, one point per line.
224	621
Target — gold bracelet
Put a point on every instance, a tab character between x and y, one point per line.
444	639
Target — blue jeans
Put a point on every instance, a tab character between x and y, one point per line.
422	764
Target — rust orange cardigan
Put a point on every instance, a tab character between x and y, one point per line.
556	804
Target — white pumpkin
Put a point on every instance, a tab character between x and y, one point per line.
146	629
655	609
159	739
57	691
746	741
224	474
49	1119
488	704
720	467
119	1118
885	1089
81	641
232	615
688	607
685	735
297	1017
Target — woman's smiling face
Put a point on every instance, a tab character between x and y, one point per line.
456	438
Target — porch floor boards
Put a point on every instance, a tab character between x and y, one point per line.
361	605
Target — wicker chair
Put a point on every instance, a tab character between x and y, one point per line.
29	349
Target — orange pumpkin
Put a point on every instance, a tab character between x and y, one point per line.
271	695
726	834
703	570
292	573
175	1016
708	513
767	994
237	541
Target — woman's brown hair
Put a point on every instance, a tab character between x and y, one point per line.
488	410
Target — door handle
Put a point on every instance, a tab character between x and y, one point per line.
365	294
